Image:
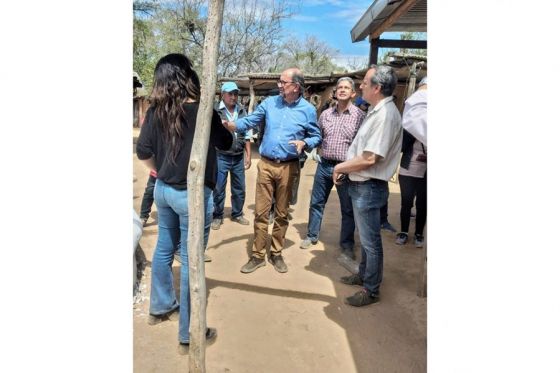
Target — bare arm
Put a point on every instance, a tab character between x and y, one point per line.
247	154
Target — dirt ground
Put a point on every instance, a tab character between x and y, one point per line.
292	322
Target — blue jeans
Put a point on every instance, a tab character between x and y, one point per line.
367	199
173	227
235	165
322	185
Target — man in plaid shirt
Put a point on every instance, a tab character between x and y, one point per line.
339	126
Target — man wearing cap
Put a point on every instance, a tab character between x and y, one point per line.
234	161
372	160
338	126
291	127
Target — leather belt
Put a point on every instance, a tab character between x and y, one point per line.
279	160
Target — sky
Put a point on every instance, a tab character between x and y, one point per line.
331	22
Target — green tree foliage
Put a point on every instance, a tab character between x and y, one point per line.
251	39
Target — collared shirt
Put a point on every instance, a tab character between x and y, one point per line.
415	115
381	133
338	131
239	137
284	122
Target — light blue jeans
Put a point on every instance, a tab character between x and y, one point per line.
367	199
173	227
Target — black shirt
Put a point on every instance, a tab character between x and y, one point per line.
151	142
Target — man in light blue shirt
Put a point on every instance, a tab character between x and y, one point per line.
291	126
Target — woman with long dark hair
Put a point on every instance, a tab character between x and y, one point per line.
165	144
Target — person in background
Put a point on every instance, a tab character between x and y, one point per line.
233	161
165	145
291	127
414	165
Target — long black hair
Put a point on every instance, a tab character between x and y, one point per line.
174	82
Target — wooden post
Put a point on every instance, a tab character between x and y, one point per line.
373	51
195	184
251	97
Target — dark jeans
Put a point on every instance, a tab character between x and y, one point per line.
322	186
384	211
367	199
235	166
148	198
413	187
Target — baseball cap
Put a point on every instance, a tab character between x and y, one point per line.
229	86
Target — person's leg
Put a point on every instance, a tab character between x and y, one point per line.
263	200
407	199
322	185
237	186
295	187
348	225
162	294
421	205
285	175
367	200
220	189
148	198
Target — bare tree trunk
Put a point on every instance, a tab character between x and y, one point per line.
195	182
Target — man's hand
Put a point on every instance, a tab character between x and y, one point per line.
247	162
229	125
335	175
300	144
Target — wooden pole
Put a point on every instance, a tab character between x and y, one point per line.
195	184
251	97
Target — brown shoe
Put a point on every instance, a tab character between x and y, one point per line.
278	263
252	265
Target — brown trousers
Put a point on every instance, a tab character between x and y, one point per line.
273	179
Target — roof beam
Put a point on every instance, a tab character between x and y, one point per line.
389	21
410	44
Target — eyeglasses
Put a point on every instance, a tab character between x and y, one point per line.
281	83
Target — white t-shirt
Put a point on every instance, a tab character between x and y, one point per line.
415	115
381	133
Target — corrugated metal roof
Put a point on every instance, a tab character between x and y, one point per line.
415	19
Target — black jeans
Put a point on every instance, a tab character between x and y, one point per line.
148	198
384	211
413	187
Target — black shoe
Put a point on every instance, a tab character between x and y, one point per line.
352	280
388	227
362	298
171	316
252	265
278	263
349	253
211	334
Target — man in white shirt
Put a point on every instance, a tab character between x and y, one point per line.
371	161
